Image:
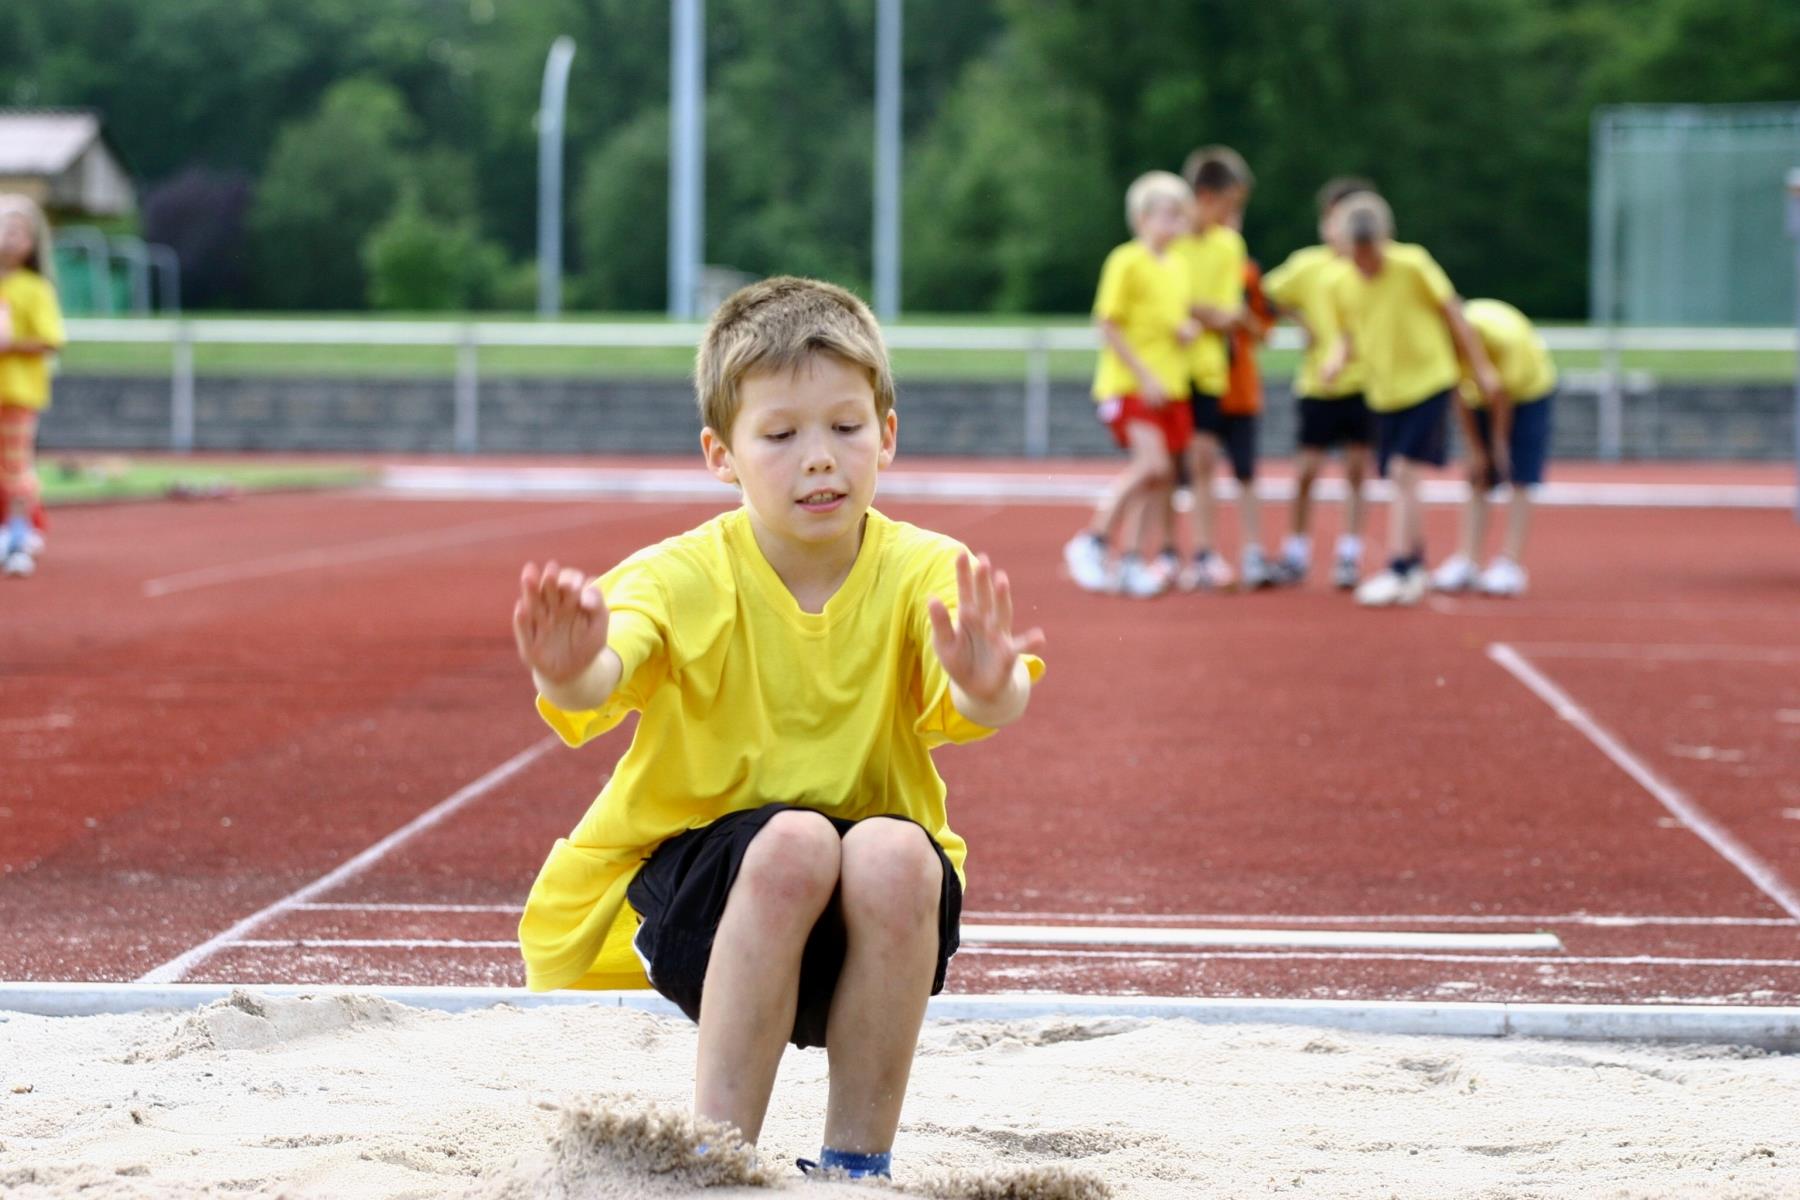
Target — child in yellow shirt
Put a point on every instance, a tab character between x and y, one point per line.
772	851
31	331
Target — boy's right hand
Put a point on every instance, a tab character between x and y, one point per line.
558	621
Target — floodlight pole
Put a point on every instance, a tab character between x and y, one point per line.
887	159
687	151
552	103
1793	228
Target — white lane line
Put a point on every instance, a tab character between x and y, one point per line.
1630	960
374	944
1191	919
1765	877
1663	652
339	906
1119	935
378	548
181	964
1611	611
663	484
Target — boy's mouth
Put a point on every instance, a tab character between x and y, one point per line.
823	500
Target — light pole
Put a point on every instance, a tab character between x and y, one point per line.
1793	228
887	159
687	153
552	103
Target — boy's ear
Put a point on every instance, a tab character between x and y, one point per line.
890	432
718	456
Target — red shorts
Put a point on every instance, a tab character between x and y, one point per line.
1175	418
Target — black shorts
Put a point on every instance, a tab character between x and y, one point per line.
679	895
1416	434
1235	432
1340	421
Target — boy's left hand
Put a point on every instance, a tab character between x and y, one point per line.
979	651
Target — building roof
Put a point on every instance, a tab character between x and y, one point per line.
44	141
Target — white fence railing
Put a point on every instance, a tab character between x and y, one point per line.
1036	343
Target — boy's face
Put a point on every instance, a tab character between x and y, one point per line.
805	448
15	239
1367	256
1162	223
1211	208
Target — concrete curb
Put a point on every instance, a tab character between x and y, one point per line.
1768	1027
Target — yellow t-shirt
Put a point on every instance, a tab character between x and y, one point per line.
32	313
1302	285
1398	329
1215	261
1146	297
1517	351
746	700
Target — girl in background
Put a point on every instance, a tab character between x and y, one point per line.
31	330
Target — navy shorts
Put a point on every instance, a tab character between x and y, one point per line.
1236	432
1341	421
679	895
1416	434
1529	441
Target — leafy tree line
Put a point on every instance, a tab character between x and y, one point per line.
342	154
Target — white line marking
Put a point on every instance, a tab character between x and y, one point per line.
1385	919
374	944
1633	960
335	906
1611	611
1663	652
1746	860
663	484
358	552
181	964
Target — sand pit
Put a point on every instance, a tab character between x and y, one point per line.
359	1097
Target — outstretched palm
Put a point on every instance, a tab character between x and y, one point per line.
558	621
978	649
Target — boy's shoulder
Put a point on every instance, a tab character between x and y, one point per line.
698	555
912	548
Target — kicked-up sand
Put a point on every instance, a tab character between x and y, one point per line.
358	1097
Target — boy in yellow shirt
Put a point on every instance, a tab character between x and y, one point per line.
1216	260
31	331
1140	389
1403	320
1330	417
772	853
1507	442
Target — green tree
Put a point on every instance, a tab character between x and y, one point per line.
417	262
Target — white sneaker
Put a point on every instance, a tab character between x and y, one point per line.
1454	574
34	543
1085	556
1345	572
18	564
1503	577
1139	579
1258	572
1208	572
1391	588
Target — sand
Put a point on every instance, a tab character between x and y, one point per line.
360	1097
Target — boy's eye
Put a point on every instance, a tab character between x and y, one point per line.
848	427
780	435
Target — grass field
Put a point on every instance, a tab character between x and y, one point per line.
72	479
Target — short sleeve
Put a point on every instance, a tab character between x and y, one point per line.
638	632
1281	284
1432	278
938	720
45	317
1113	298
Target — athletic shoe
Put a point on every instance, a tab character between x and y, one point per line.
1085	556
1139	579
1258	571
1454	574
1208	572
1287	573
1345	572
1503	577
1392	588
18	564
33	543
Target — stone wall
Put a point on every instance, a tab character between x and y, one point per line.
562	416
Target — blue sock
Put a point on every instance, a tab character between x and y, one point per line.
857	1166
18	528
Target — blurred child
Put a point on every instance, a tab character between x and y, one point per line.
1140	388
31	330
1215	257
1330	417
1402	318
772	851
1508	441
1241	406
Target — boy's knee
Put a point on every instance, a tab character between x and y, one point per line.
892	876
794	859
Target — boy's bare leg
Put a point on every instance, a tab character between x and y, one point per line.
753	977
1203	454
1149	462
1474	522
1311	460
1518	523
1250	515
1406	523
891	885
1356	470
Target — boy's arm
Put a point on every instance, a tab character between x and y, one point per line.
1471	351
1337	360
1114	337
559	624
989	681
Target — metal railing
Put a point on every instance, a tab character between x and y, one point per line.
1035	343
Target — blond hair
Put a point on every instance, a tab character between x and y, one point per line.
1362	218
1151	188
777	325
43	257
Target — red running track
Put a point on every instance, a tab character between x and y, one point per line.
208	709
